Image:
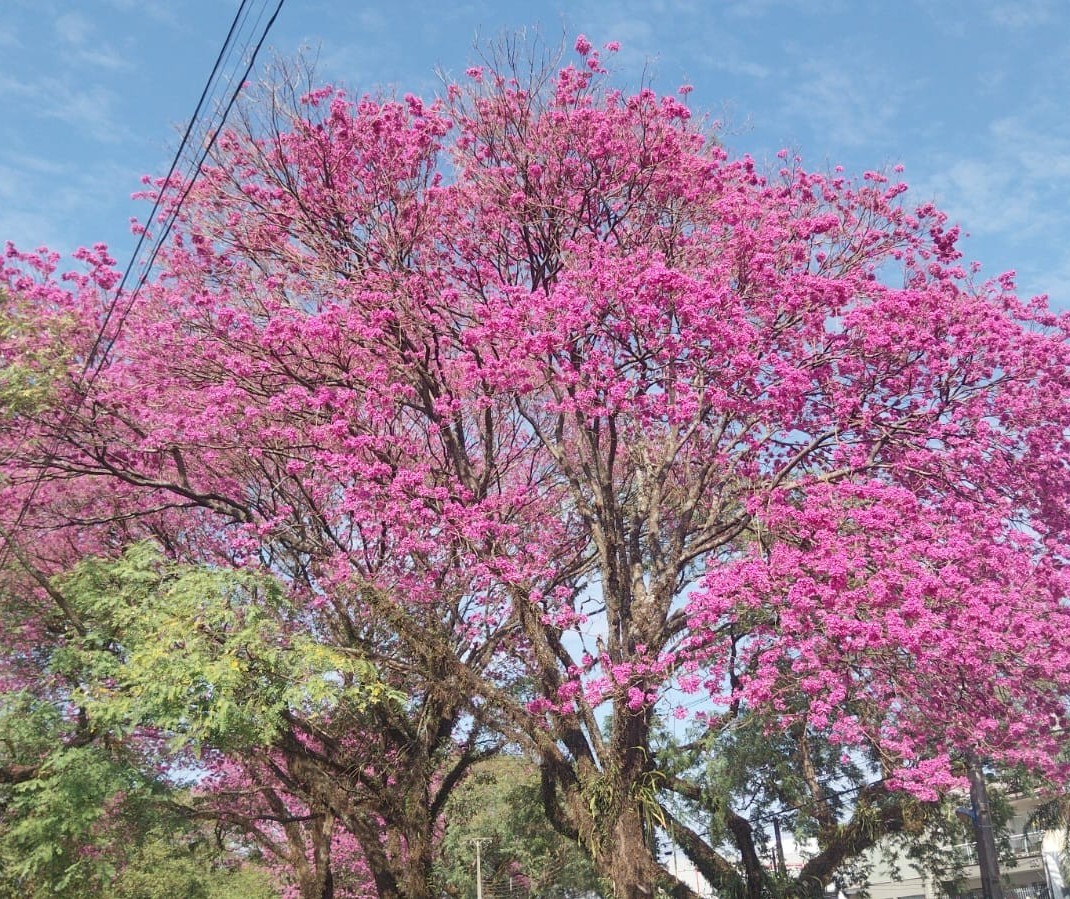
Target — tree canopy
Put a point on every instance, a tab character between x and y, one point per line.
532	405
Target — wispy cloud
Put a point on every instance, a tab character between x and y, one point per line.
83	44
1009	193
73	29
1022	14
754	9
842	102
1013	184
162	11
984	196
1038	154
88	109
699	40
43	203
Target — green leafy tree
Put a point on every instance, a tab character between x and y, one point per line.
81	817
33	357
739	786
149	663
1052	813
196	870
203	654
500	803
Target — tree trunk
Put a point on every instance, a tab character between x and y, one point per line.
419	861
319	884
400	860
624	856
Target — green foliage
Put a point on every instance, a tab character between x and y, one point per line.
203	654
1054	814
28	383
118	861
84	819
501	802
197	656
75	814
54	821
29	728
761	773
755	770
54	799
160	868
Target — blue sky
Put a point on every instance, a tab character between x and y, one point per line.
972	96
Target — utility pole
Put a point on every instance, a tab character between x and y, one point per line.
779	865
987	860
479	841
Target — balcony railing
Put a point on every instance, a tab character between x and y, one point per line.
1022	845
1037	890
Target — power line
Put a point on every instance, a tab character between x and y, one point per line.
206	92
205	151
771	816
97	356
787	810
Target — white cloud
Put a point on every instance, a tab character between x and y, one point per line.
164	11
677	39
73	29
1021	13
753	9
981	195
84	46
1052	278
1010	193
43	203
35	165
734	65
849	107
89	108
105	58
960	18
1015	184
1036	153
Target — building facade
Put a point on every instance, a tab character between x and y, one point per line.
1035	874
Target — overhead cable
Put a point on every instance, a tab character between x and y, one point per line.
97	356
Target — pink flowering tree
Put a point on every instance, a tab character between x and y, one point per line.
819	468
539	401
383	769
205	657
261	801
